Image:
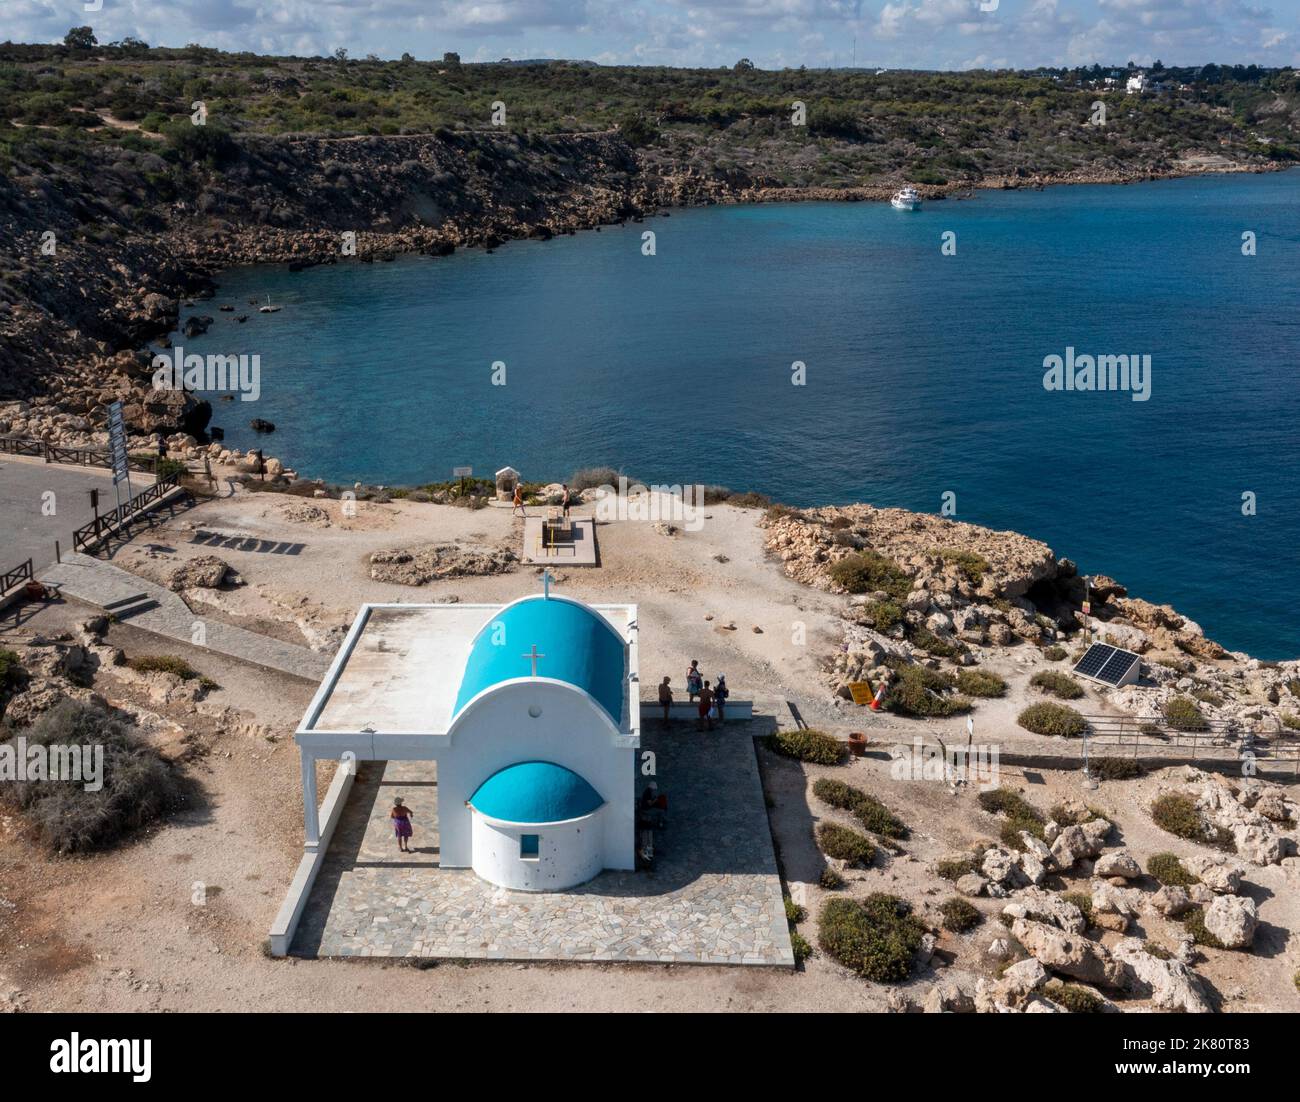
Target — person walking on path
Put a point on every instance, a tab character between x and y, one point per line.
694	680
665	697
401	816
720	694
518	502
706	702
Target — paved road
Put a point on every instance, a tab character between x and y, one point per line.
25	530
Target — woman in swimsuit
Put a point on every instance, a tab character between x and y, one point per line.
401	816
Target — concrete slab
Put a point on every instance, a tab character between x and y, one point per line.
713	897
573	545
153	608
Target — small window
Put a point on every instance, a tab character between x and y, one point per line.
530	846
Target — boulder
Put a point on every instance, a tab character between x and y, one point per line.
1044	906
1113	908
1170	984
946	999
203	572
1216	872
1068	954
1232	919
1117	864
971	884
1074	843
1170	901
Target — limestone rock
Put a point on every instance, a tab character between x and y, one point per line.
1170	984
203	572
1048	907
1068	953
1117	864
1232	919
1216	872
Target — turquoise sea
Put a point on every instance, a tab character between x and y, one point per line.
924	371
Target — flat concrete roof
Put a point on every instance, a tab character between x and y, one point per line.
401	667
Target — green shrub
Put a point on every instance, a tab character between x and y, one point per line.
884	616
1054	653
12	676
591	478
750	500
867	571
168	468
169	663
794	912
959	915
868	810
1194	924
1010	830
1182	713
1157	951
935	645
1075	999
1052	719
980	683
1290	722
970	565
1208	696
800	947
916	691
844	844
809	745
1179	815
1115	769
1006	801
831	879
1057	683
138	787
1083	901
877	938
1166	868
954	868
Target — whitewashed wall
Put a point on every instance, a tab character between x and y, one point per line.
569	854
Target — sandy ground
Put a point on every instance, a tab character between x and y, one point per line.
177	920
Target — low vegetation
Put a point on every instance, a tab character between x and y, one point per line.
1194	924
868	571
959	915
11	677
1082	900
137	787
980	683
970	565
169	663
1115	769
884	616
1182	713
831	879
954	868
1054	653
868	810
1168	869
1047	718
1019	816
877	938
808	744
844	844
1057	683
917	691
1075	999
1178	814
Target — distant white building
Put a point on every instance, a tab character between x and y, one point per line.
1137	84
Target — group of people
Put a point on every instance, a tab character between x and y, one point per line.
710	699
517	501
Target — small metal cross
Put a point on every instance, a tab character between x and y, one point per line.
534	656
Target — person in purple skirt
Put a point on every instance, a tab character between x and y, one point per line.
401	816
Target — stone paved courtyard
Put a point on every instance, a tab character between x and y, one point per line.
713	897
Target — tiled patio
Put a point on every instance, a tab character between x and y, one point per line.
714	896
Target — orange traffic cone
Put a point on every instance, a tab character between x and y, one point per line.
880	695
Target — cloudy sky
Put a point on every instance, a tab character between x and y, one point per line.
925	34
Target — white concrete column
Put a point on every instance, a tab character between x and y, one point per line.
310	812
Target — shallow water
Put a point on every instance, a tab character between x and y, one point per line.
924	372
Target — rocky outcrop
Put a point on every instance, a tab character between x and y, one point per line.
1232	919
1169	984
431	562
1068	954
203	572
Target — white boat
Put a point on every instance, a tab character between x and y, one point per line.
906	199
268	308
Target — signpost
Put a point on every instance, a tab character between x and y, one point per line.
117	451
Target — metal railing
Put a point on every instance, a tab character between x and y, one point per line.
19	575
1128	736
117	521
82	457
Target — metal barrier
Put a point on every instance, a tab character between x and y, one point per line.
19	575
1128	736
110	524
82	457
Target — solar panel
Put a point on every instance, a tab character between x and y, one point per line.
1096	657
1107	664
1119	664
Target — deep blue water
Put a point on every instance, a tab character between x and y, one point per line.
924	371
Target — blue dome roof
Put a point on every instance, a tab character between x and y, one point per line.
574	644
535	792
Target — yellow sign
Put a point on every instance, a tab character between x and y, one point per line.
861	692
